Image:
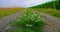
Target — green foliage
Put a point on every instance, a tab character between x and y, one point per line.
52	12
48	5
31	22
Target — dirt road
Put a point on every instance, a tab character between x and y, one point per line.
52	22
4	22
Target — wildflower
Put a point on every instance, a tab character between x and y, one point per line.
39	17
35	14
29	25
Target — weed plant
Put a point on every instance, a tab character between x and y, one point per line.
30	22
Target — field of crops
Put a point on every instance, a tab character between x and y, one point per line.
8	11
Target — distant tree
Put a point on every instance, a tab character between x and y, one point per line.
59	4
53	1
59	1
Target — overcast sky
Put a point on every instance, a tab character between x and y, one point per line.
21	3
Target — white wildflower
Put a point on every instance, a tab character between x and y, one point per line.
29	25
39	17
35	14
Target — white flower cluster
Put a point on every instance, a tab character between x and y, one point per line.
29	25
32	17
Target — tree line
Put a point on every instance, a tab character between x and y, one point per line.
52	4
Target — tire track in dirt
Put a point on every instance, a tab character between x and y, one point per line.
53	23
6	20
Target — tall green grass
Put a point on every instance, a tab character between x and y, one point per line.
52	12
30	22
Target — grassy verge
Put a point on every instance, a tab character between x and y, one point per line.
8	11
29	22
53	12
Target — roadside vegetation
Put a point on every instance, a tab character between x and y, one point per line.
52	8
7	11
52	12
29	22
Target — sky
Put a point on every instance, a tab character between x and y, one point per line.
21	3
